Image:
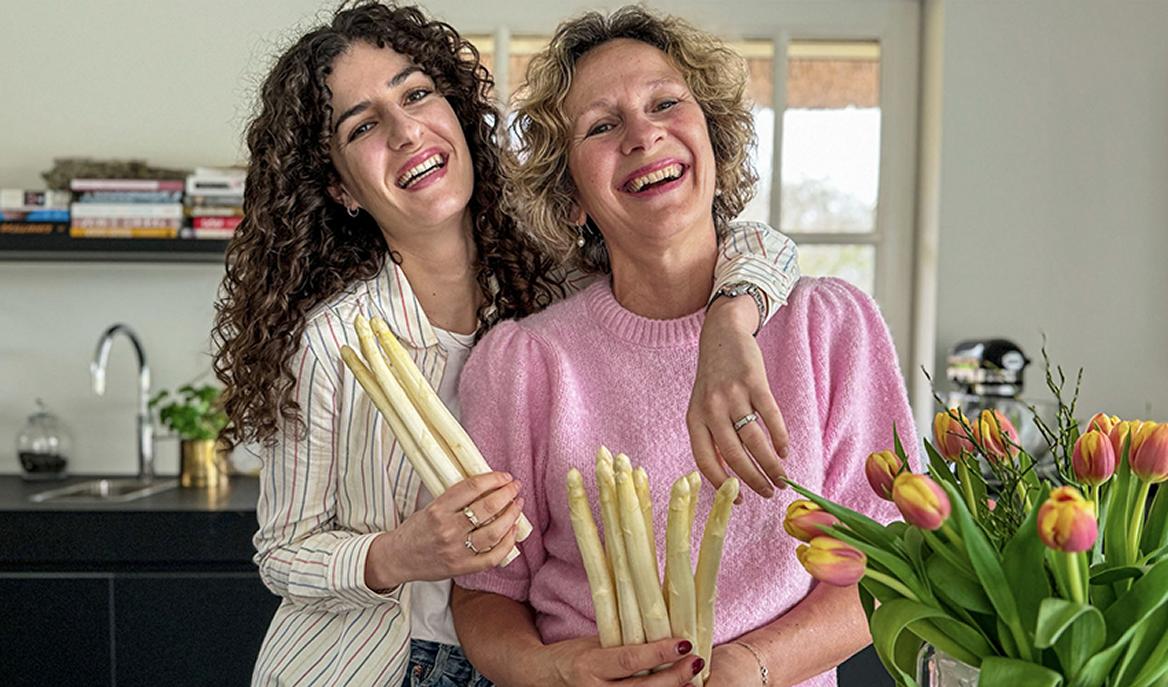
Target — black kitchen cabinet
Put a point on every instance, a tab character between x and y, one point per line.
55	630
159	591
181	629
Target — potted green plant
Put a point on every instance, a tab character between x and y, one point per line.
195	415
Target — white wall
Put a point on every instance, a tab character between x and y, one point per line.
1054	190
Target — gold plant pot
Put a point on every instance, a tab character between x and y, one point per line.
204	464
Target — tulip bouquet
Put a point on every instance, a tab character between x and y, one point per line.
1031	581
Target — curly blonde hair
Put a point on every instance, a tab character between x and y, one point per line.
542	191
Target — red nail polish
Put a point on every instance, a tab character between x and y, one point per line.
698	664
684	647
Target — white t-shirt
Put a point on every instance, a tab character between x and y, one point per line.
430	617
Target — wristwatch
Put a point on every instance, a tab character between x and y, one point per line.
743	288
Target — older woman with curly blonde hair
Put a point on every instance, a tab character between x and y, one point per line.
633	138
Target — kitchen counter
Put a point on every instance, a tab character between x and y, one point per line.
178	527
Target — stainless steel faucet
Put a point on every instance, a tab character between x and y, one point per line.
145	426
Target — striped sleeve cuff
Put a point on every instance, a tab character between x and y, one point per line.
346	573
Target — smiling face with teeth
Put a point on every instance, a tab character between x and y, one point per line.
397	144
640	156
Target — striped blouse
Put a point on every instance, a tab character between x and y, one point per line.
325	494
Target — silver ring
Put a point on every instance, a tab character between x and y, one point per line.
470	545
470	515
744	421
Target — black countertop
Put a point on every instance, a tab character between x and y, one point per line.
178	528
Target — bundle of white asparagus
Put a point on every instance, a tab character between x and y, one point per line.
632	604
433	441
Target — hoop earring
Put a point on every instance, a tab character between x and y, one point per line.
353	212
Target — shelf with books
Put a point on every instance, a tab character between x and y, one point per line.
110	219
64	248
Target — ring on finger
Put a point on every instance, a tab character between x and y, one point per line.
744	421
470	546
470	515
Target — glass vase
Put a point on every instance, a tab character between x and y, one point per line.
935	668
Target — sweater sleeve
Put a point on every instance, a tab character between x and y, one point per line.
861	393
301	555
755	253
505	390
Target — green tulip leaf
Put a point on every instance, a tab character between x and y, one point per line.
1103	574
914	545
939	468
1022	563
1155	536
997	671
1141	649
984	560
867	601
1125	619
1154	667
1120	492
956	586
892	620
1055	616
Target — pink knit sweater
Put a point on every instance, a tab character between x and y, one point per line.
539	396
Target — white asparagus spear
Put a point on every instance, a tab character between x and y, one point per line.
695	491
678	571
466	454
644	569
709	560
632	630
401	404
413	454
595	564
641	482
411	423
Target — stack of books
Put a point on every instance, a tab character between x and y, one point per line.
34	213
214	203
126	208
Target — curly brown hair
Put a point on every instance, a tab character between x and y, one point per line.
297	247
542	191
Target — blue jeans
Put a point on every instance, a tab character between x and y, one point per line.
440	665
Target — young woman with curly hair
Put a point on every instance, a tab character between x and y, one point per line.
374	187
637	122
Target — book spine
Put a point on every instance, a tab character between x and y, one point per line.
35	215
211	211
126	185
122	197
124	222
33	228
20	199
216	222
214	185
124	232
202	233
159	210
202	199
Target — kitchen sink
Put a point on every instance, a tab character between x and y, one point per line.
105	491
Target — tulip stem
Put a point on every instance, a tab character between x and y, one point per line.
952	534
893	584
1135	529
1074	578
967	486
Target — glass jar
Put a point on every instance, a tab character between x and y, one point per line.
43	446
935	668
